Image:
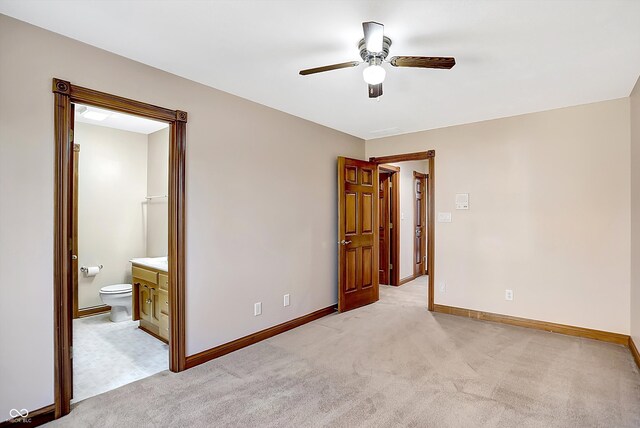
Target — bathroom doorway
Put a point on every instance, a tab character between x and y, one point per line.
119	242
120	227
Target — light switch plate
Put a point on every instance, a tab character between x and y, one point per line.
257	309
286	300
444	217
462	201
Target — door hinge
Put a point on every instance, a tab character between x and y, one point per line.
71	135
390	266
390	184
76	147
390	225
71	352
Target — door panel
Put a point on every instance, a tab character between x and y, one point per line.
357	233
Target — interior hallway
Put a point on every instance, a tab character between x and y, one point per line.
388	364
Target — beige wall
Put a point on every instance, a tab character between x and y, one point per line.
158	185
260	208
112	184
635	213
407	231
549	213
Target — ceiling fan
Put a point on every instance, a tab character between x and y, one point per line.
374	49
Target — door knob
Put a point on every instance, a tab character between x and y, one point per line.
343	242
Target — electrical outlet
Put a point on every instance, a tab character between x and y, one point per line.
443	287
257	309
286	300
508	294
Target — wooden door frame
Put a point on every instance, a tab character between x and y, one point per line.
395	230
425	177
429	155
64	95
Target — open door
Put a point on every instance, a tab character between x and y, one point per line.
357	233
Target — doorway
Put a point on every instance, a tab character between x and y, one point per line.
419	223
120	234
361	222
389	230
66	263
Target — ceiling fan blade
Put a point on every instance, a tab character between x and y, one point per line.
423	61
373	36
375	90
329	67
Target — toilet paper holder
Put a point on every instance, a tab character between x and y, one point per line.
85	269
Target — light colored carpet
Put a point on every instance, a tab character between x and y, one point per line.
388	364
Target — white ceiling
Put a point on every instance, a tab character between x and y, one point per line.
123	121
513	57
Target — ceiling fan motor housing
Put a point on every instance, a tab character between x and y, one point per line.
377	57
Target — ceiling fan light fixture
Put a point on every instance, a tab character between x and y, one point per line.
374	74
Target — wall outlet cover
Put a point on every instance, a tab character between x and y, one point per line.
443	287
508	294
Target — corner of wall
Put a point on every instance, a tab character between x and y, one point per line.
634	301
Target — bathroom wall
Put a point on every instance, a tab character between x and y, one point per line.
407	213
112	184
158	184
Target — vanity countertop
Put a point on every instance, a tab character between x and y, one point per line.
159	263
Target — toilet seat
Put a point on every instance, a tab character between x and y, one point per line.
116	289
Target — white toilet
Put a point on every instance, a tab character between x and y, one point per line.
118	296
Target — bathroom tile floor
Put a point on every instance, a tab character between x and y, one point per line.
108	355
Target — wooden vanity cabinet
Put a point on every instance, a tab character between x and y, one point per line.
151	300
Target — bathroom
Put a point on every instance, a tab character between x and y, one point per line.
121	317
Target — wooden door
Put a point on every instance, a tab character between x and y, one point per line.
384	239
420	223
357	233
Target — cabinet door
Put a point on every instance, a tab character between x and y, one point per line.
144	302
156	307
164	301
164	326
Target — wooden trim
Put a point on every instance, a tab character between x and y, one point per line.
431	228
431	225
407	279
634	351
389	168
395	230
404	157
62	280
93	310
218	351
74	226
605	336
35	418
114	102
64	94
